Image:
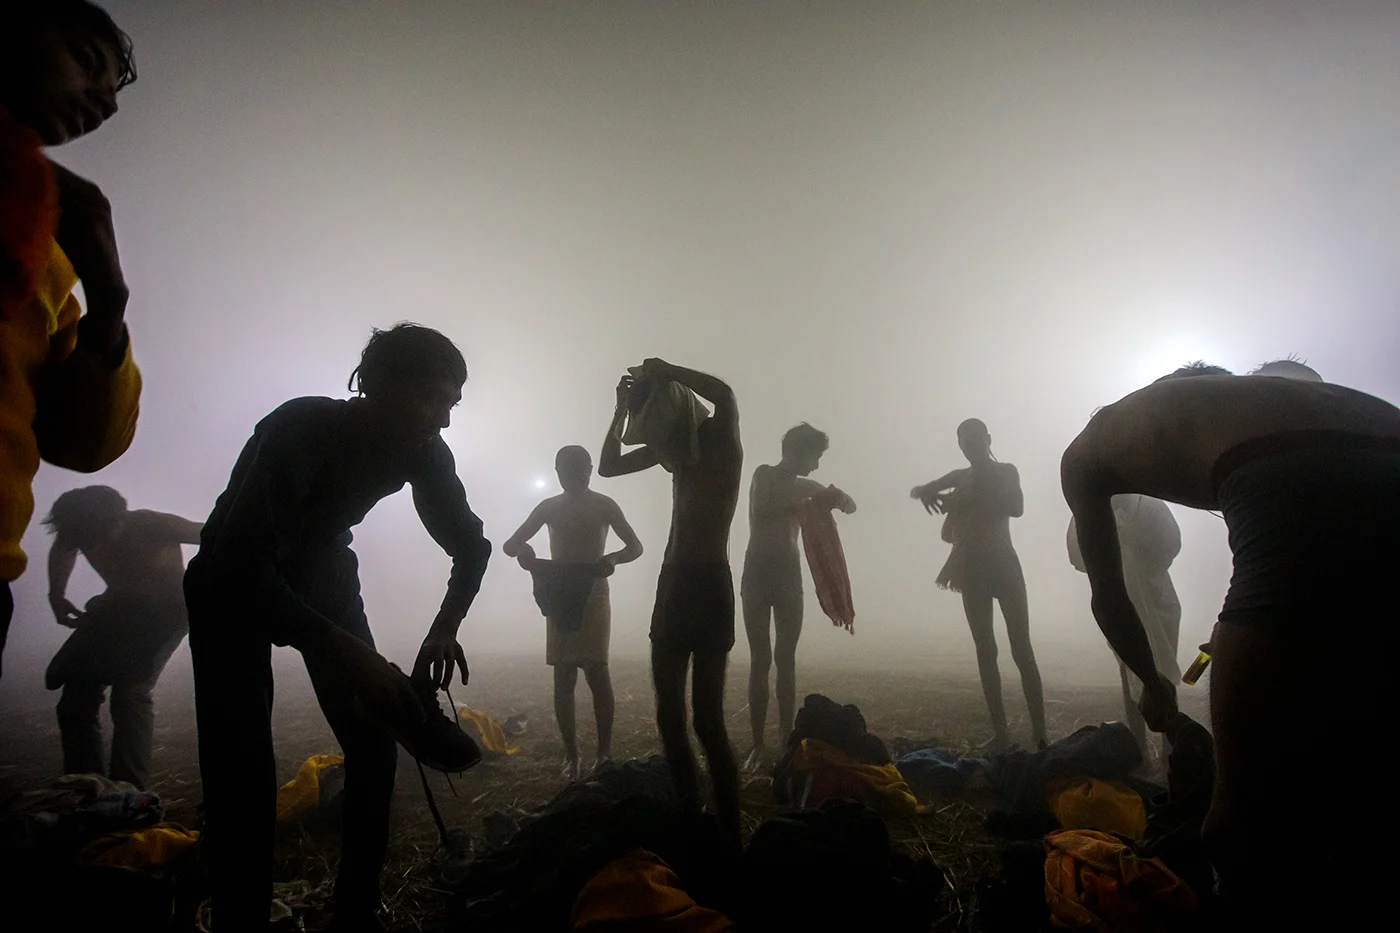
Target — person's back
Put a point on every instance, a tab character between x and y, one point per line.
144	555
1307	478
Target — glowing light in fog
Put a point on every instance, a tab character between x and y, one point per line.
540	483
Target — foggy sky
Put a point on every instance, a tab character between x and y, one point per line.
879	218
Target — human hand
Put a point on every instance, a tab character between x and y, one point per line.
64	612
607	565
525	557
1158	704
436	659
624	391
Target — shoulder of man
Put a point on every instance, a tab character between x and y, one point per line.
307	412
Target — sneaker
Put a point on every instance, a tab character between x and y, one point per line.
436	741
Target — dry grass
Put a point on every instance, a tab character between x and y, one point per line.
895	705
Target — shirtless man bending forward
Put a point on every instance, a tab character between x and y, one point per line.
1307	478
694	614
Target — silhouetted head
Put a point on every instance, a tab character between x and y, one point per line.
975	441
82	518
574	465
803	447
1289	368
412	378
61	65
1198	368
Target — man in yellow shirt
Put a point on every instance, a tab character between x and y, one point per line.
68	387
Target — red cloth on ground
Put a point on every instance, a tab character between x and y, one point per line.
827	561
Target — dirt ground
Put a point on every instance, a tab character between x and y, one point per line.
894	703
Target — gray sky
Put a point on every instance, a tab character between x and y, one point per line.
879	218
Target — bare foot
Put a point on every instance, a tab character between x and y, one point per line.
757	758
602	764
570	769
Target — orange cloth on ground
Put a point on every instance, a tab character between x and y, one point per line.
57	400
493	737
142	849
1088	803
1093	881
836	775
639	892
302	794
827	561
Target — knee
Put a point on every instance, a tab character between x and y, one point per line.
1024	655
709	728
78	704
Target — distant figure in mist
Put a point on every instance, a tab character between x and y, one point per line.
69	391
572	590
123	638
979	502
772	581
694	614
1306	475
1150	539
275	568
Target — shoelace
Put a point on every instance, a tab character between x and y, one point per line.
427	788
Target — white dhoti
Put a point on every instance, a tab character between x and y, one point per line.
589	645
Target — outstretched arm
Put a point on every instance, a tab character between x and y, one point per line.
931	494
611	460
631	545
61	563
180	530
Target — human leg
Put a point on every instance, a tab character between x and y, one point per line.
978	608
600	685
787	626
371	759
707	699
669	668
756	610
79	729
565	681
1132	716
1018	632
233	711
134	717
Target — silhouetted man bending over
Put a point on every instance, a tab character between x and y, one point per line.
1307	478
694	614
275	567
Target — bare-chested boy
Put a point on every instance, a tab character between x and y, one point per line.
694	614
123	637
1307	477
572	589
772	580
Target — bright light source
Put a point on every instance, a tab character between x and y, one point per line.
540	483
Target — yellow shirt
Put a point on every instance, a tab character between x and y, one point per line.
58	401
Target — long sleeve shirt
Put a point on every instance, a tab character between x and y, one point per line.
306	477
58	401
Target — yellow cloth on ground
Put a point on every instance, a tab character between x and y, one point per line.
142	849
302	794
836	774
1088	803
639	892
1094	881
493	737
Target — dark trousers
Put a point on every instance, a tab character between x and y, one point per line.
233	707
133	721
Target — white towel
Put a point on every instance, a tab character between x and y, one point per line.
668	422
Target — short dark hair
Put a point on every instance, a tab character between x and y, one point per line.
805	439
76	514
1290	367
407	353
78	14
572	451
1195	368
